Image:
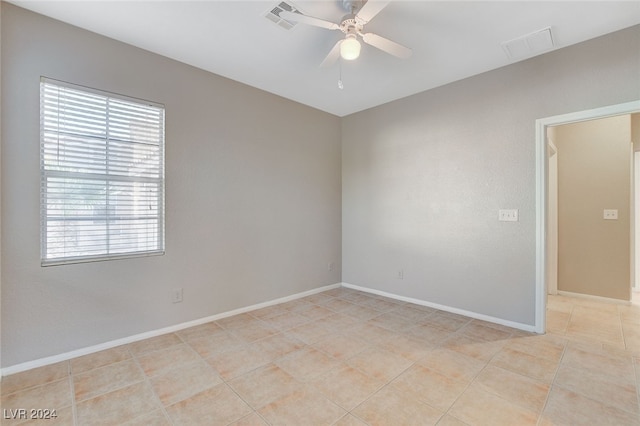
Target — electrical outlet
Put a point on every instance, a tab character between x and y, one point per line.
176	295
610	214
331	266
508	215
400	274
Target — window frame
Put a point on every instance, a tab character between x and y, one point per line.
108	176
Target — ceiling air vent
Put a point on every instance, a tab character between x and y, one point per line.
529	45
274	15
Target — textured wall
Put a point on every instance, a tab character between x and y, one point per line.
424	177
252	208
594	173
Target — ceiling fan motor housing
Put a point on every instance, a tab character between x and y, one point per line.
349	25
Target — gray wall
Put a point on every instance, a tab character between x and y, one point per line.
424	177
594	173
252	208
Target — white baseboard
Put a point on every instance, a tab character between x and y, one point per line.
137	337
512	324
594	298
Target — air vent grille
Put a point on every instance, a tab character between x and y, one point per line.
529	44
274	15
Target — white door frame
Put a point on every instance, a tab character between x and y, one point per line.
541	192
552	218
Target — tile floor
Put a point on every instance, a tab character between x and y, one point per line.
345	357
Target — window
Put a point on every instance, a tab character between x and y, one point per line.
102	175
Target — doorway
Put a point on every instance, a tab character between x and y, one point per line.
542	180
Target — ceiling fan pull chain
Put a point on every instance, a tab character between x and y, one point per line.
340	85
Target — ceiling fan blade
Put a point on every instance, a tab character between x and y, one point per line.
370	9
333	56
309	20
386	45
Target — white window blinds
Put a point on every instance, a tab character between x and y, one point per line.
102	175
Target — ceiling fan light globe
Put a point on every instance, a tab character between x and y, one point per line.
350	49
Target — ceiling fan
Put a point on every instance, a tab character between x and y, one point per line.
352	25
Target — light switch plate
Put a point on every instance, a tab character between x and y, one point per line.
508	215
610	214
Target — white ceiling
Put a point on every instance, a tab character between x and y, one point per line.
451	40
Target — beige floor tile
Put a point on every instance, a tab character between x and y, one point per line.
393	321
541	369
307	363
629	313
557	321
314	312
415	313
202	330
154	344
370	333
118	406
159	362
392	407
446	321
362	313
264	385
350	420
347	386
252	419
207	346
155	418
452	364
608	390
448	420
559	304
565	407
240	320
495	367
106	379
216	406
379	363
592	328
544	346
358	297
338	321
34	377
407	347
297	305
428	333
337	292
271	311
523	391
309	333
475	348
286	321
341	346
338	305
99	359
254	331
599	361
318	298
383	304
430	387
183	381
303	405
277	346
477	330
479	407
53	395
237	361
591	309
